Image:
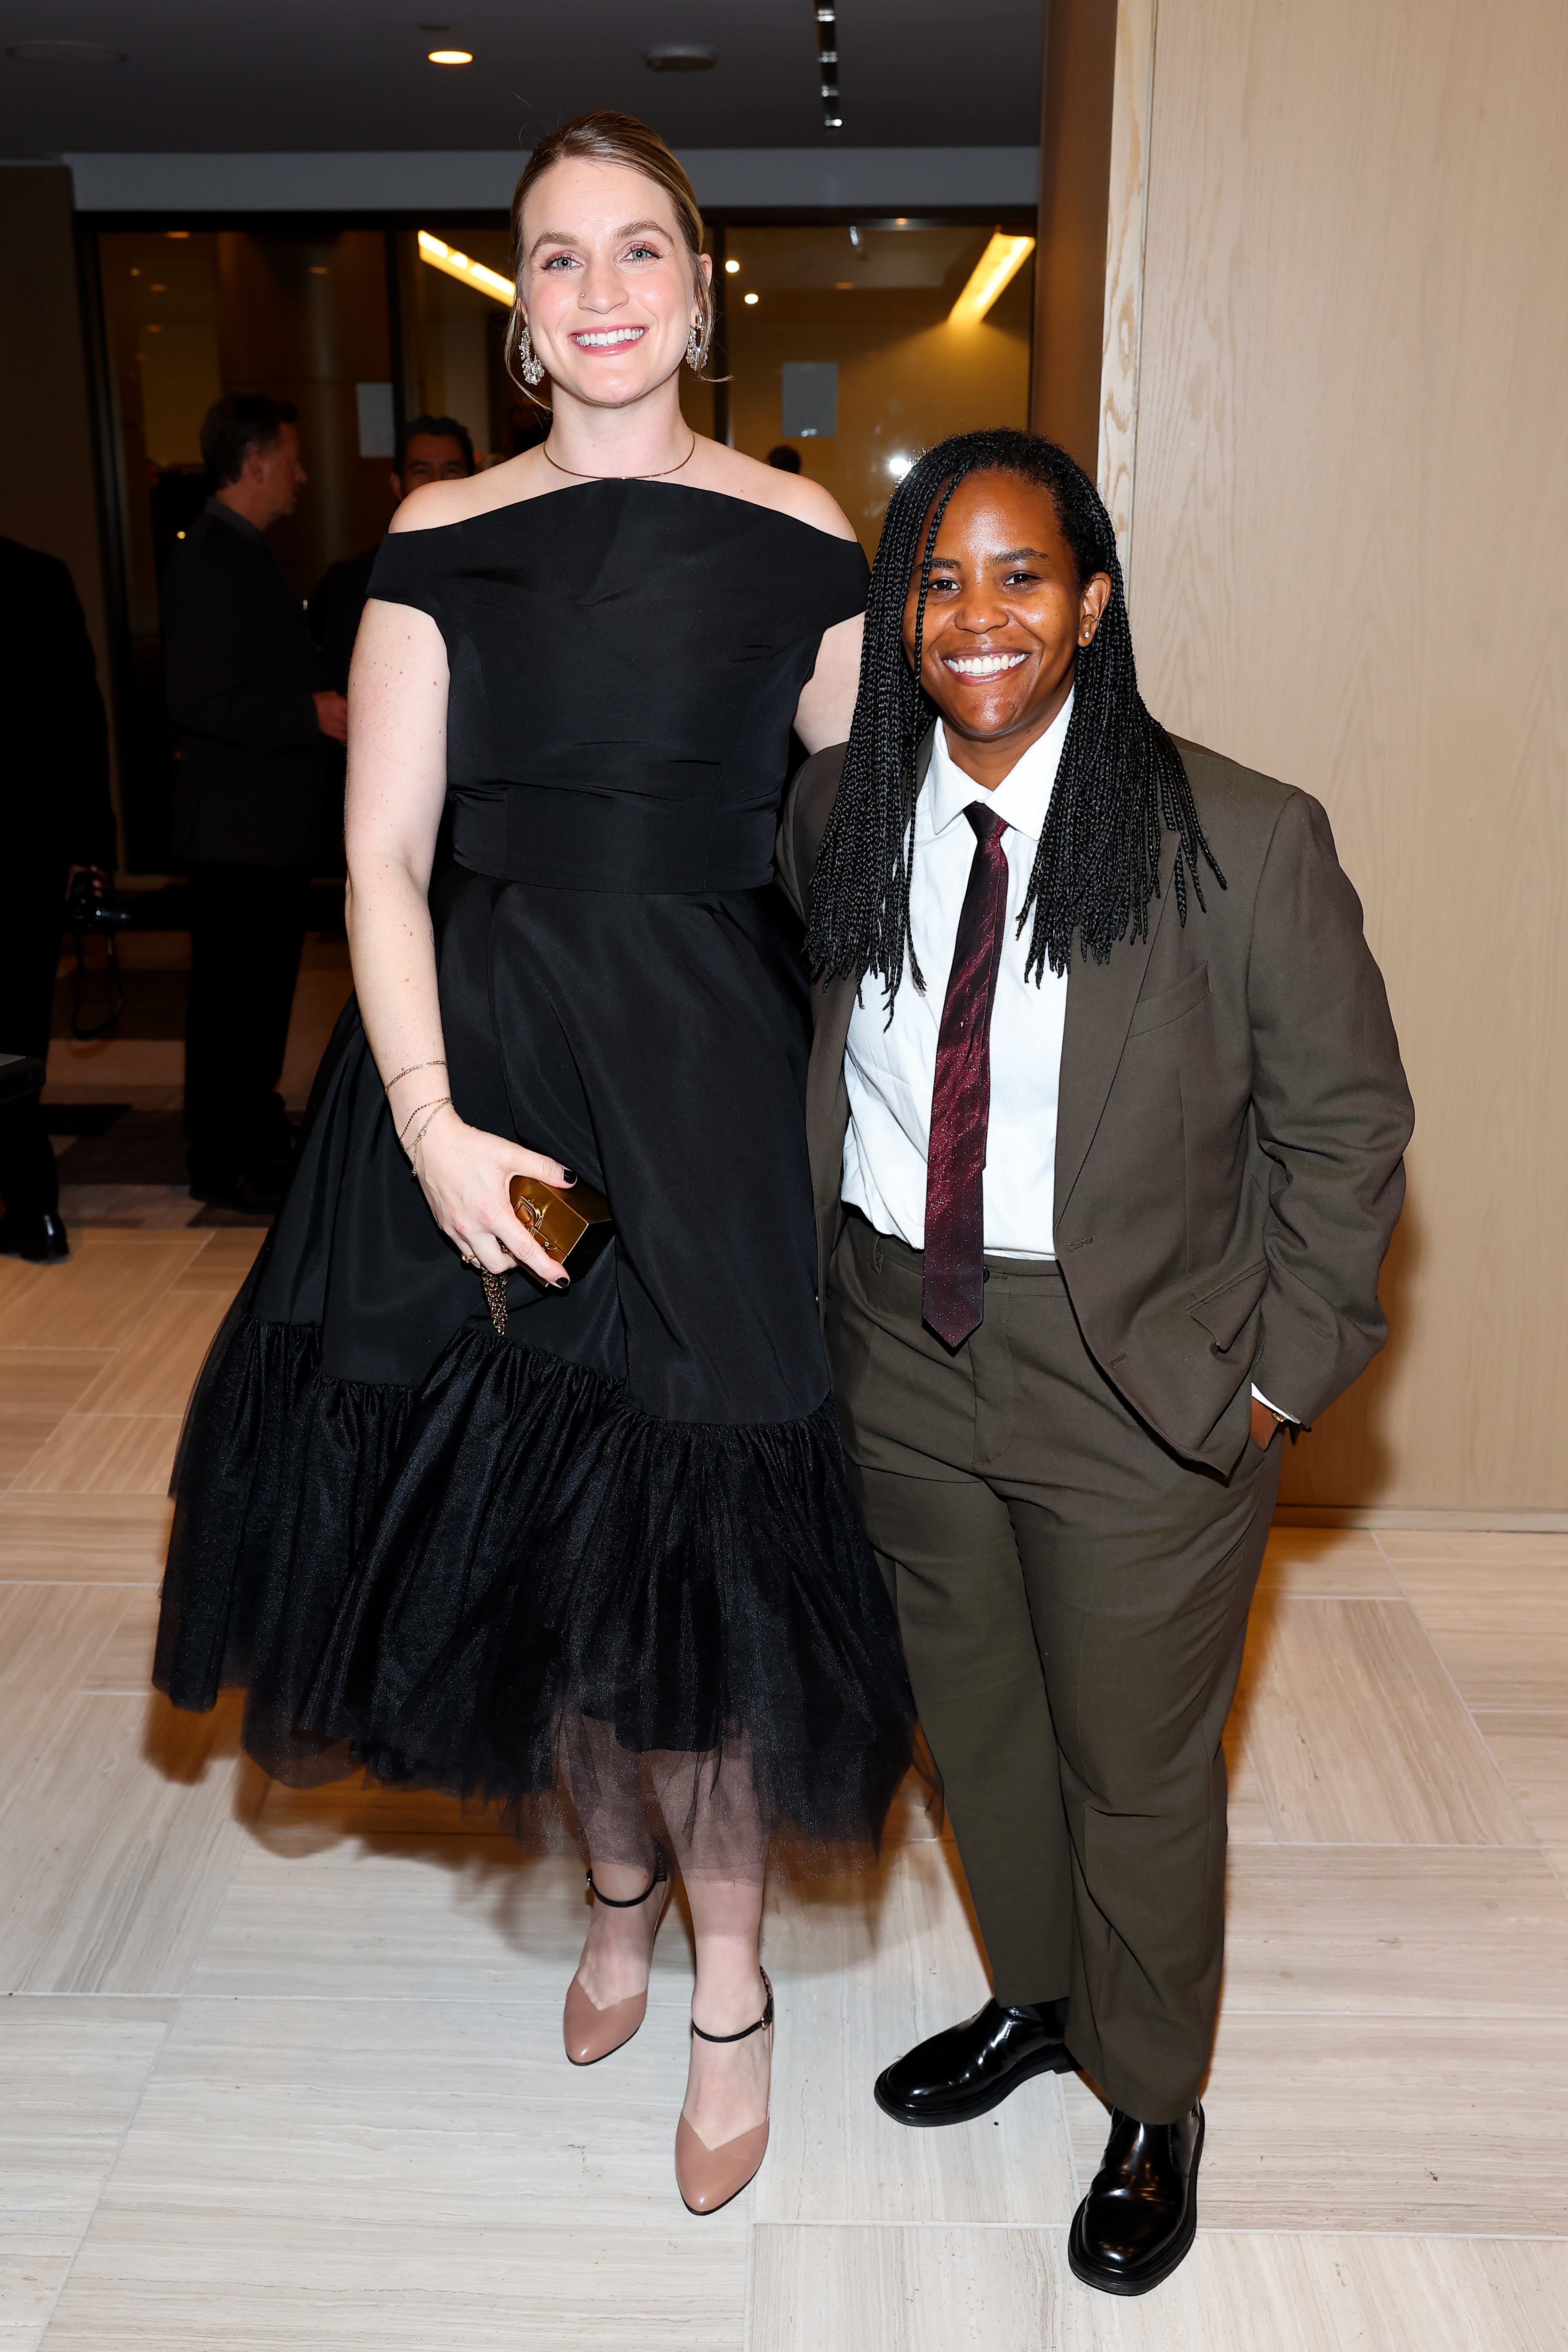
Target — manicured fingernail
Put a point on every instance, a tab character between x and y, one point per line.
562	1283
569	1175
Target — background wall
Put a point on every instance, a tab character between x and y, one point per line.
1348	556
47	493
1077	129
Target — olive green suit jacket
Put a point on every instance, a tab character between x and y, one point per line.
1231	1123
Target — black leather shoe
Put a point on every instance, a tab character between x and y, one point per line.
972	2068
41	1238
1140	2216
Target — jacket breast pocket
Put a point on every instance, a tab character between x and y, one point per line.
1225	1311
1168	1005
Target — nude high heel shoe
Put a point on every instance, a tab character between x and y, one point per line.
707	2177
589	2031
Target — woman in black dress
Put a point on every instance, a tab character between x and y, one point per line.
599	1563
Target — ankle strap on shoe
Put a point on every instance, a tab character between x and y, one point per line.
630	1902
746	2031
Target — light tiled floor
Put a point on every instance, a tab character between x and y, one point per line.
281	2070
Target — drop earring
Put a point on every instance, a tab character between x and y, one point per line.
696	348
529	366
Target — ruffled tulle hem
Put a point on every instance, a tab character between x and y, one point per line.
514	1585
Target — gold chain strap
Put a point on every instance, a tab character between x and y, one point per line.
408	1073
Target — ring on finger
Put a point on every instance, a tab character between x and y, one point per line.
471	1261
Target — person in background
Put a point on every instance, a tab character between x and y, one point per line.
785	460
429	449
54	820
260	801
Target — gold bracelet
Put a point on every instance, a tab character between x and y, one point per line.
433	1104
408	1073
435	1110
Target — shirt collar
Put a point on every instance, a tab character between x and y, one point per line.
1021	800
235	522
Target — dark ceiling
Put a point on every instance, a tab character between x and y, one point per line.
227	75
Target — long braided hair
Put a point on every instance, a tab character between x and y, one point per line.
1120	786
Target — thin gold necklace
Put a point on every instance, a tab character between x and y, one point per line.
664	473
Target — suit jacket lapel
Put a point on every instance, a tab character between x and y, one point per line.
1101	998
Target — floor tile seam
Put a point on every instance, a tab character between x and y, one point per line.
1407	2016
340	1999
240	1846
1262	1785
8	2213
56	1347
108	2174
1207	2228
1064	2126
23	1468
81	1692
1444	1670
88	1583
1383	1845
511	2001
751	2265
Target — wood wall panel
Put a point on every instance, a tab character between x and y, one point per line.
1076	128
1351	535
1122	335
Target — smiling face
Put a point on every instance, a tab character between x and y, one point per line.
606	280
1005	614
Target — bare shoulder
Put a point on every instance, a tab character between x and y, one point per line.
506	485
738	477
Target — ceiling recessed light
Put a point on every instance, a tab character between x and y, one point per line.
177	236
451	57
680	57
751	298
732	268
66	53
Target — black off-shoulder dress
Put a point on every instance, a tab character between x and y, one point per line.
604	1568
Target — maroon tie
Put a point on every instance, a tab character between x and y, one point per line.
953	1302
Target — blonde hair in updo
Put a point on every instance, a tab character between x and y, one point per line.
608	137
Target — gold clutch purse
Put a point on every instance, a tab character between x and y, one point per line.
572	1227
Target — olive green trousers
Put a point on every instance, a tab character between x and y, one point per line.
1073	1600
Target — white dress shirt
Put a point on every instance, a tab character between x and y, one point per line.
889	1069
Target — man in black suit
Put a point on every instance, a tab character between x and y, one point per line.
260	795
55	818
429	449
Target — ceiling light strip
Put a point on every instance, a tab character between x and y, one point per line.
827	62
469	273
991	276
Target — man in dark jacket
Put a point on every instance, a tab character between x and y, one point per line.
429	449
55	817
259	799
